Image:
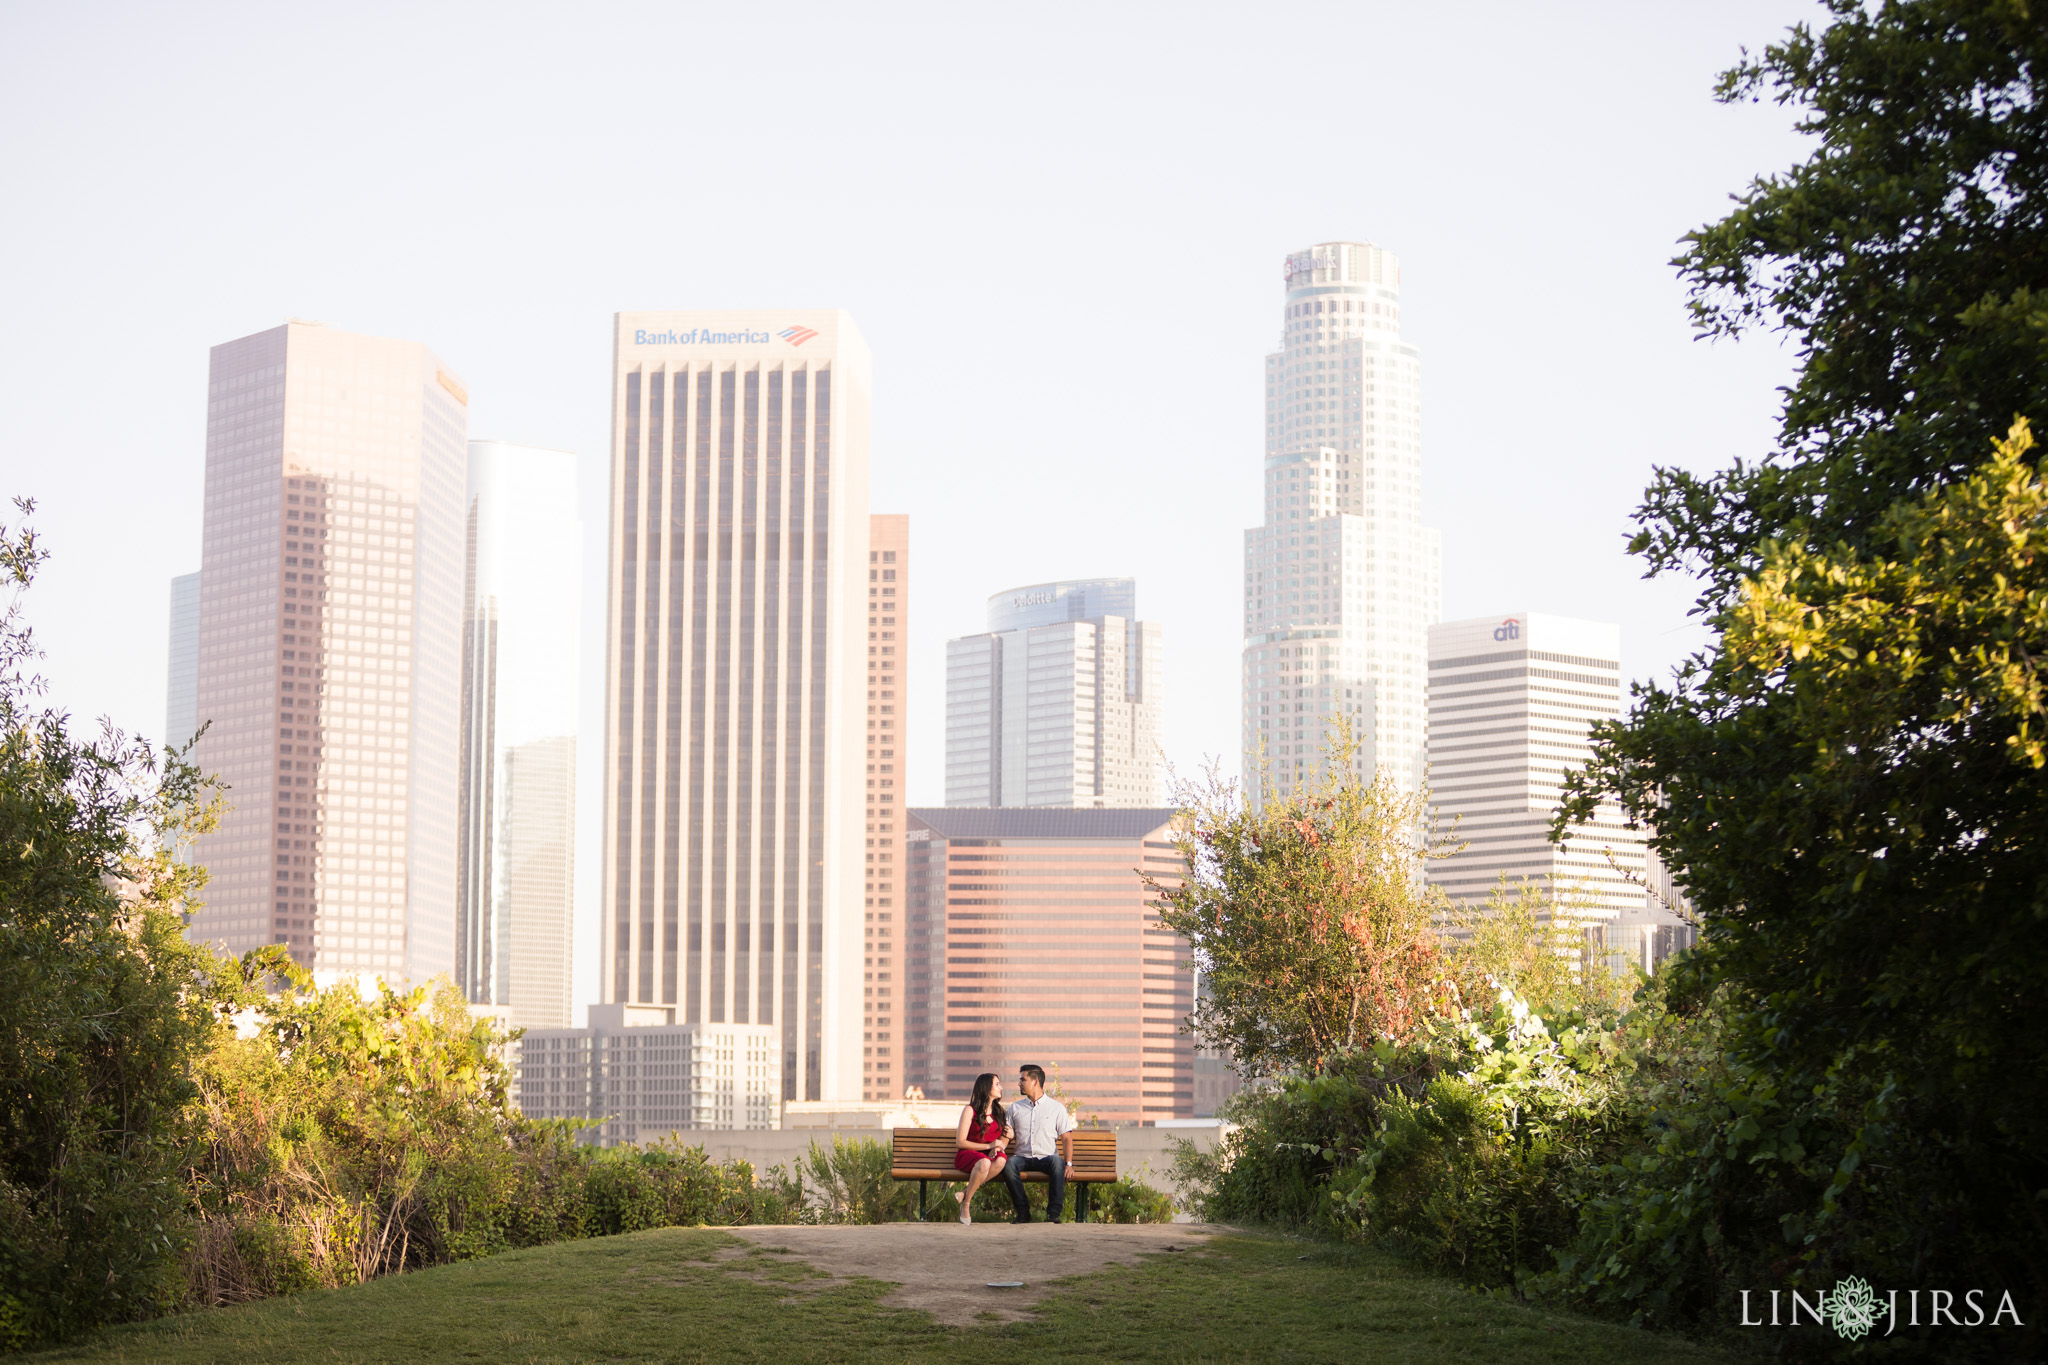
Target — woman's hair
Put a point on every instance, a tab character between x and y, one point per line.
985	1104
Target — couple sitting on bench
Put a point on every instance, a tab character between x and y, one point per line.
1033	1134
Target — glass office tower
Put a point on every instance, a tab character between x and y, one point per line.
1342	581
520	644
1032	939
1059	703
330	656
734	749
181	690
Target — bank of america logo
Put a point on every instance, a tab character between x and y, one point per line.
796	336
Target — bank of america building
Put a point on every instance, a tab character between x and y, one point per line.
1342	580
734	745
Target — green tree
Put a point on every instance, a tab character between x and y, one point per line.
102	1004
1308	915
1529	938
1850	782
1905	258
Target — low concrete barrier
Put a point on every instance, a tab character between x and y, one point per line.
1141	1152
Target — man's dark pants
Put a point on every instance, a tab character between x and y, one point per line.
1052	1168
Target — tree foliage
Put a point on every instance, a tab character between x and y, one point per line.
1308	915
102	1004
1905	259
178	1128
1529	938
1850	784
349	1135
1463	1146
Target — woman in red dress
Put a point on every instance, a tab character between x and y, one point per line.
982	1138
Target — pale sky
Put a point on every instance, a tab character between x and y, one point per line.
1060	232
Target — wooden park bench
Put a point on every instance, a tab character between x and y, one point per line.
926	1154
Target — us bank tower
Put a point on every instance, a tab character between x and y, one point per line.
1342	579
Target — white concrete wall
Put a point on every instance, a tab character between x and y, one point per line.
1145	1153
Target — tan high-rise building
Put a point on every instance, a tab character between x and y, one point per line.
1512	700
329	653
734	749
888	759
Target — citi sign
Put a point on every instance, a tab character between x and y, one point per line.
1510	629
704	336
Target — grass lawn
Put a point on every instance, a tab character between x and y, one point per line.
662	1296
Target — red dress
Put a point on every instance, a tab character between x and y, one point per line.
977	1131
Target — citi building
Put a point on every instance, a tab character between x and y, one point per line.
1513	699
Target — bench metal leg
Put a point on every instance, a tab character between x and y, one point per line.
1081	1203
920	1200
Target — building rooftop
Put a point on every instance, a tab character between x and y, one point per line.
1041	822
1069	599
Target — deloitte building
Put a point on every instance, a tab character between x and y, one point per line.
1342	581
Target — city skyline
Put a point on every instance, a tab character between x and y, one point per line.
1360	446
1483	292
1561	363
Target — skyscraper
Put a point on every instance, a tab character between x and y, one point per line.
330	657
888	759
181	691
1342	580
1058	704
516	887
1511	699
734	754
1034	942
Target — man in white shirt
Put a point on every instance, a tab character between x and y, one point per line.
1044	1144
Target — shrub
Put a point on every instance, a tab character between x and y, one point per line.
351	1138
1314	932
1129	1200
1459	1149
850	1183
102	1001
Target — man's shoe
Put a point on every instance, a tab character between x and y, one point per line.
1020	1218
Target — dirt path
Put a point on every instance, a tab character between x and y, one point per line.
945	1268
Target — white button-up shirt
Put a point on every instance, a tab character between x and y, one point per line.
1039	1124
